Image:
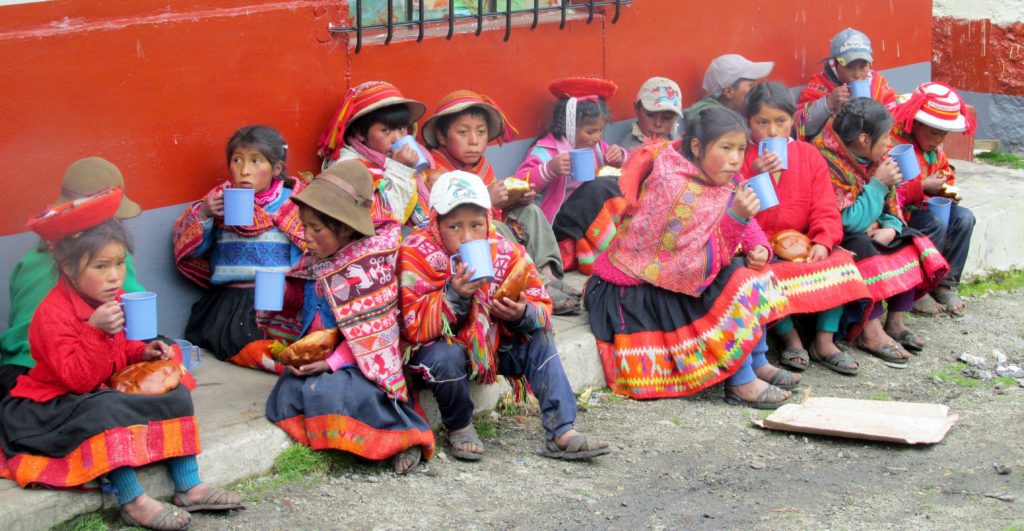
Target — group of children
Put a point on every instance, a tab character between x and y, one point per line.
685	283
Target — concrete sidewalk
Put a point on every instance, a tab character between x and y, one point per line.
239	442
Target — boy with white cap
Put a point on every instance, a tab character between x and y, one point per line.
849	60
658	108
461	328
727	81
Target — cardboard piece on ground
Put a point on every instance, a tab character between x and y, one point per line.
898	422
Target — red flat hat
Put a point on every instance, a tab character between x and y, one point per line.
67	219
578	87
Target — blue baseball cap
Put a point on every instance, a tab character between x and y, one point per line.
850	45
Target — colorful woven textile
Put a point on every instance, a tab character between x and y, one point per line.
848	175
823	82
589	220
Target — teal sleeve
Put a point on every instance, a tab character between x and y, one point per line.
889	221
131	283
866	209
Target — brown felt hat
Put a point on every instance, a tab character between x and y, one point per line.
90	175
343	192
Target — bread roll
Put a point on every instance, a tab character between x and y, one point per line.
316	346
515	282
791	245
516	188
147	377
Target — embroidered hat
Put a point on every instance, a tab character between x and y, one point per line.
936	105
72	217
458	188
726	70
343	192
850	45
660	94
361	100
87	176
498	125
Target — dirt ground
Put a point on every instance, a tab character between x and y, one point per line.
700	463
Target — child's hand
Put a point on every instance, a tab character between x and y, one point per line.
108	317
838	97
498	192
310	369
615	156
560	164
745	204
508	309
888	172
462	284
769	162
528	197
758	257
932	184
883	236
818	252
156	350
212	205
406	155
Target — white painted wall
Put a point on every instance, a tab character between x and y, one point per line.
999	11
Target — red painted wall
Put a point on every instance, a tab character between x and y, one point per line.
979	56
158	90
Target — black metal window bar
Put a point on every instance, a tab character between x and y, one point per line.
480	15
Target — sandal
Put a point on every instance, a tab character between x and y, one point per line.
580	446
406	460
784	379
215	499
841	362
794	358
569	290
949	299
170	518
467	436
770	398
909	340
889	354
562	303
927	307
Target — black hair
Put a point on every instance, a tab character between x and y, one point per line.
70	252
392	116
332	224
861	115
586	112
444	122
708	125
770	93
464	206
267	140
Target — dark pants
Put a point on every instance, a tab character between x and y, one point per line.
443	368
953	241
9	377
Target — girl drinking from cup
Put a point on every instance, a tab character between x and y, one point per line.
583	210
898	263
224	258
62	426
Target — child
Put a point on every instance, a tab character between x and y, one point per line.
932	111
458	134
850	60
658	109
372	117
727	81
225	259
356	399
807	204
898	263
35	274
582	215
454	322
61	427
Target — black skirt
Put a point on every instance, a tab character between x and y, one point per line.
223	321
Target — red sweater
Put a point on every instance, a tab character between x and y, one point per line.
807	202
71	355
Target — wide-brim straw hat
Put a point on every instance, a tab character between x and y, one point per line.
343	192
90	175
498	126
360	101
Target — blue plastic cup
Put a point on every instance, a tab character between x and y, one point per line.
477	256
860	88
139	315
191	357
584	164
269	290
762	187
239	206
941	207
778	145
906	159
422	163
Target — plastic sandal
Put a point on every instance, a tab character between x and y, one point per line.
784	379
468	436
840	362
889	354
908	339
770	398
215	499
412	453
170	518
789	356
580	446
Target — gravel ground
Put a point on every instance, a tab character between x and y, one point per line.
700	463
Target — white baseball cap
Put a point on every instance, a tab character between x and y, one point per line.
458	188
660	94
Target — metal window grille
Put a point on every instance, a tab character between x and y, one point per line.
413	14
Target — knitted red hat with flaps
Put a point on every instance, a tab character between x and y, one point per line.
580	87
68	219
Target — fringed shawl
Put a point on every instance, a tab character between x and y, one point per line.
849	177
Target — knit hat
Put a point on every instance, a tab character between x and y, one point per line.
726	70
850	45
660	94
458	188
72	217
498	125
936	105
343	192
361	100
87	176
